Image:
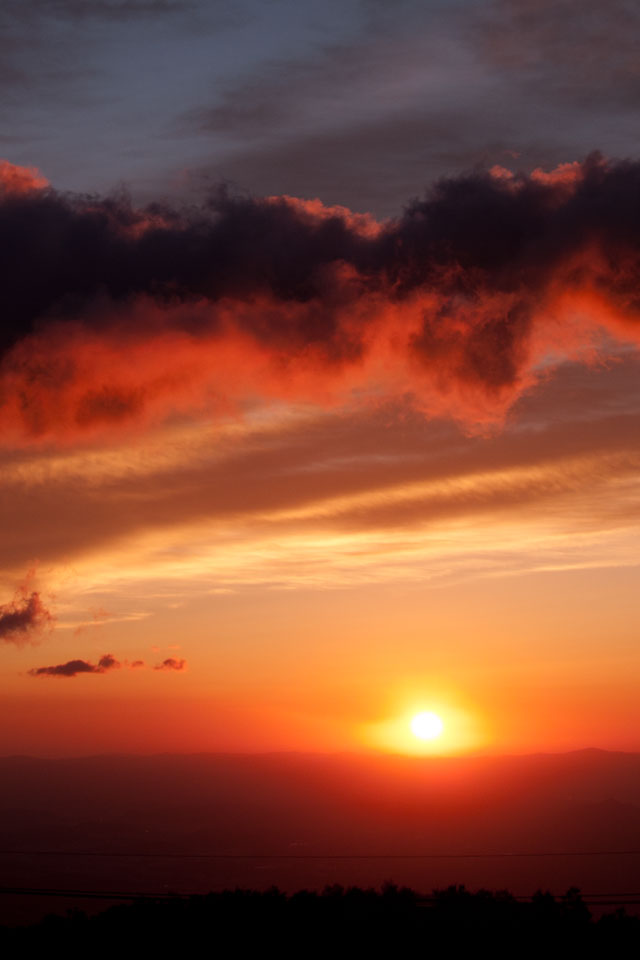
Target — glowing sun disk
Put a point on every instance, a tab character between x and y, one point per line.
427	726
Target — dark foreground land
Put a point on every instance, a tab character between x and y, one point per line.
355	922
213	822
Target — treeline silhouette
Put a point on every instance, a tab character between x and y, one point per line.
395	921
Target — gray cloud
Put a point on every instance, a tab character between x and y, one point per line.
362	107
403	152
171	664
73	668
580	50
426	92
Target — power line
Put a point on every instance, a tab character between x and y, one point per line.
156	855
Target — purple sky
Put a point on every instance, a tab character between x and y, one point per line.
355	102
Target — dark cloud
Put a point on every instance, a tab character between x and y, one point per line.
74	668
107	662
69	251
171	664
23	618
461	288
403	150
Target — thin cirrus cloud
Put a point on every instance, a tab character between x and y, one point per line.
360	105
585	55
456	305
355	489
426	91
358	502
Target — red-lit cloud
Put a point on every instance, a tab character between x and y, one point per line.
20	180
120	316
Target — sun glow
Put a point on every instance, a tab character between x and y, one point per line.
427	726
436	726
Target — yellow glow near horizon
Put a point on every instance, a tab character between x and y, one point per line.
429	729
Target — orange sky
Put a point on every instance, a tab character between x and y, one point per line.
326	574
306	569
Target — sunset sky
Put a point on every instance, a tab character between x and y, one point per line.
319	375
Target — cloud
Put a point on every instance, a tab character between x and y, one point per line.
25	617
20	180
75	667
352	496
117	10
107	662
457	304
171	664
425	91
583	54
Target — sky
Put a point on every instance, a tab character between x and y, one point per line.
319	393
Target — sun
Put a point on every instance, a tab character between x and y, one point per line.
426	726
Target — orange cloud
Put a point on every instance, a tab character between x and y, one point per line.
20	180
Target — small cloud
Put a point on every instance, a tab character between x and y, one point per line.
107	662
171	664
137	663
99	614
72	668
24	617
20	180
